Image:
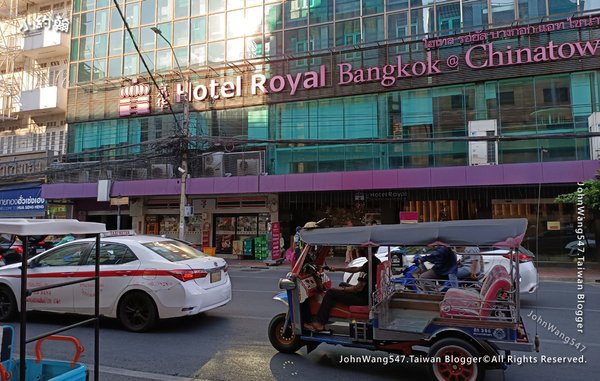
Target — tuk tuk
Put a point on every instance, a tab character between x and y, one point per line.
459	333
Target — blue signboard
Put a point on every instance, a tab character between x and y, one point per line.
22	202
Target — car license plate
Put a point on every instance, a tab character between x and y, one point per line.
215	277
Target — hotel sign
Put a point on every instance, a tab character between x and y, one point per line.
482	53
135	99
513	32
480	56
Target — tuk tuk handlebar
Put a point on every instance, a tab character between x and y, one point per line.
78	347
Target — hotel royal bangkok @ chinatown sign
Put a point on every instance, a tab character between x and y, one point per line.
481	54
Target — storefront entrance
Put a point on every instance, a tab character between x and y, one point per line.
231	231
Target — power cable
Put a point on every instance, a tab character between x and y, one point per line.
137	49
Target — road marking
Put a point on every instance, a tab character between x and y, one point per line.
144	375
556	308
267	291
248	317
563	343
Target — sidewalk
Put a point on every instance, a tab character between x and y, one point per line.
566	272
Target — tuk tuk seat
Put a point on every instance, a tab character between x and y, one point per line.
469	304
357	312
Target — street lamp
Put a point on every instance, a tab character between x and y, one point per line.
184	150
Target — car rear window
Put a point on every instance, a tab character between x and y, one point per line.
174	251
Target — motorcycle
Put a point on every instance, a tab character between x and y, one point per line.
410	280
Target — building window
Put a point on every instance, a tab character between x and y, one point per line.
556	95
507	98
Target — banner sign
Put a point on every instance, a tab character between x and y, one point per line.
22	202
275	240
514	31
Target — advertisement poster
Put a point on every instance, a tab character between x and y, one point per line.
276	235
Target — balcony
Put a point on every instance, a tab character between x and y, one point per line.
44	100
44	43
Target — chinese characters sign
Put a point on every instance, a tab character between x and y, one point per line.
55	22
135	100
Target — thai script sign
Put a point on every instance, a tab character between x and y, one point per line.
54	22
22	201
512	32
135	99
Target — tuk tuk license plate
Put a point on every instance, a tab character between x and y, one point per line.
215	277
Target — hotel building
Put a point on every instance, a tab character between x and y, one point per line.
368	110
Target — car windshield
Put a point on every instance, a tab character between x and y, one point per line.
174	251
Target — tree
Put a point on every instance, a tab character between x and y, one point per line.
588	195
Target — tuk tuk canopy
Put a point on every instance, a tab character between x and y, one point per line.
26	227
506	233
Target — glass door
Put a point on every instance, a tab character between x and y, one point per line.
225	233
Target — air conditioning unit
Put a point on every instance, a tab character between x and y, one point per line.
248	167
213	164
483	152
106	174
84	176
162	171
132	174
594	126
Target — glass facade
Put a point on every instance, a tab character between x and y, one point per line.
212	32
552	104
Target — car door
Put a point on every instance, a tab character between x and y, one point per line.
56	266
118	265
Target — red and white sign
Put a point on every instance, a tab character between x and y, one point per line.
409	217
135	99
275	239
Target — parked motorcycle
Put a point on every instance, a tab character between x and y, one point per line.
11	248
410	280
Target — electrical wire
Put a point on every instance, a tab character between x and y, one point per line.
137	49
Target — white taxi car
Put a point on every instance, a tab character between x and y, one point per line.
142	279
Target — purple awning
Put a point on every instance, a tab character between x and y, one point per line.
506	174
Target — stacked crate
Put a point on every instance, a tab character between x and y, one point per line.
248	248
260	248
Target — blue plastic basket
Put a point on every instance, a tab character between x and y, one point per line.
49	370
39	370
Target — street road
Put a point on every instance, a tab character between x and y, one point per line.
231	343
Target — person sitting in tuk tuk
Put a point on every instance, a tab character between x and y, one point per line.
352	295
470	266
444	263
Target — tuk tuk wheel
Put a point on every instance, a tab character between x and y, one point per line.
455	360
283	339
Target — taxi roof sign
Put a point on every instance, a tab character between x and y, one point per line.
23	226
118	233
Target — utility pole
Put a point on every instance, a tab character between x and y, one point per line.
183	170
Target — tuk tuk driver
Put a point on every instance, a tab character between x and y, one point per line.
352	295
444	263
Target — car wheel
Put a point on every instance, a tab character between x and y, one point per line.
283	338
8	304
137	312
455	360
